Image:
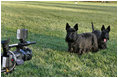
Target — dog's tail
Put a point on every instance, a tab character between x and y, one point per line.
92	26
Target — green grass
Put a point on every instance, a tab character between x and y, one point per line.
46	24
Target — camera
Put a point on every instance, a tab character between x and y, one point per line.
9	59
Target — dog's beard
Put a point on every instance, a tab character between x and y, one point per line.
71	38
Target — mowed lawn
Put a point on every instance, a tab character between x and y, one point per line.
46	23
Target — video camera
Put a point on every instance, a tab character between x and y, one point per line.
9	59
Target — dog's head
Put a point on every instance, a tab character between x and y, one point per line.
105	33
71	33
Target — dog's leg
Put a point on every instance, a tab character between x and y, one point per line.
102	45
85	50
94	44
70	49
80	51
105	45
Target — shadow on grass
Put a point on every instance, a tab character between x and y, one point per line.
62	4
43	41
79	6
51	42
74	6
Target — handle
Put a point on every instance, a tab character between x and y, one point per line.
22	44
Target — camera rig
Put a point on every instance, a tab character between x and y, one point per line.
9	59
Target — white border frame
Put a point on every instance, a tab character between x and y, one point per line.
61	0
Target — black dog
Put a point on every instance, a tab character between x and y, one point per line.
80	43
102	36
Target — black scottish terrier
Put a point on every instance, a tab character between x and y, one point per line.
80	43
102	36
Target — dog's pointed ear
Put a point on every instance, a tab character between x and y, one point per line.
76	27
67	26
103	28
108	28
